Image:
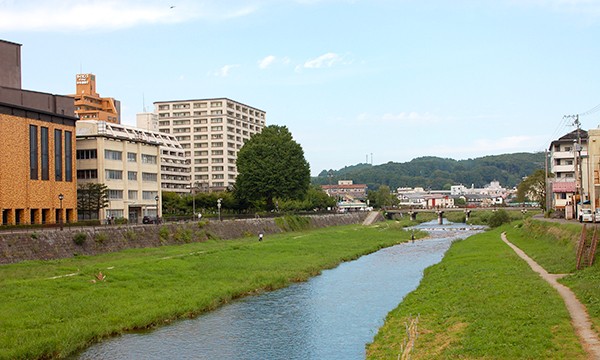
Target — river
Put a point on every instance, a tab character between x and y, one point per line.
331	316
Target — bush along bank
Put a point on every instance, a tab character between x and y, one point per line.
56	244
55	308
481	301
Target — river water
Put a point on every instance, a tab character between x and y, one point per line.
331	316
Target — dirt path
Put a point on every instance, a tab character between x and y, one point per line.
579	316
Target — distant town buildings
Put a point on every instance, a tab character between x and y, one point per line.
37	148
211	132
89	105
492	194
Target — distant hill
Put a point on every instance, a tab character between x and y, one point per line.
439	173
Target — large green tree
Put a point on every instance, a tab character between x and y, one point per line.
533	188
271	165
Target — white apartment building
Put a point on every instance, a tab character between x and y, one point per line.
211	132
133	163
564	154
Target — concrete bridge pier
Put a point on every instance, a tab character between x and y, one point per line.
440	215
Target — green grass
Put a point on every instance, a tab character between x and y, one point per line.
42	317
481	302
552	245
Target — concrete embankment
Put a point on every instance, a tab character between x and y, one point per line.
56	244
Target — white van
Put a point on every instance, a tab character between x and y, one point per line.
586	215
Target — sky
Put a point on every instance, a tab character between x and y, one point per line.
354	81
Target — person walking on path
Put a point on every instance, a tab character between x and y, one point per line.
579	316
260	236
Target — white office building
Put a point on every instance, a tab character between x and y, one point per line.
211	133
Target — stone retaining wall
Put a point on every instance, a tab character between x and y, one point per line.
56	244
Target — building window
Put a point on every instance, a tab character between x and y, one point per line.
45	154
68	156
113	155
131	157
87	174
86	154
58	169
163	107
132	195
149	195
216	128
33	152
148	159
149	177
132	175
117	214
164	123
115	194
114	175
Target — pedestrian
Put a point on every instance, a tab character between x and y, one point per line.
260	236
412	237
199	216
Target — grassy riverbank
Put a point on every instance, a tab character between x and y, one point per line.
483	301
54	308
554	247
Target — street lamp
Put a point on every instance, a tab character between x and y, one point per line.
157	213
219	207
60	216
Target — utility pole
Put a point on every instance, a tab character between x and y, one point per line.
578	168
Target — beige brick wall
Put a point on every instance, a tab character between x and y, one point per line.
19	194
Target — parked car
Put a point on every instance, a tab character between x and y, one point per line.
597	215
586	215
149	220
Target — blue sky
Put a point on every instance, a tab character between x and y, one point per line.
349	78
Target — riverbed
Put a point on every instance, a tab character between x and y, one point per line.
331	316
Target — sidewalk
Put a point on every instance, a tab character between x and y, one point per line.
579	316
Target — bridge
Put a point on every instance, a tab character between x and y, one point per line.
440	211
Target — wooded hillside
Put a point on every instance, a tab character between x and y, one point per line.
439	173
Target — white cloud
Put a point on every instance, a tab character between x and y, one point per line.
326	60
266	62
225	70
107	15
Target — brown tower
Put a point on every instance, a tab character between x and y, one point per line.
90	106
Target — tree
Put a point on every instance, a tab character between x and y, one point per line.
91	198
271	165
533	188
382	197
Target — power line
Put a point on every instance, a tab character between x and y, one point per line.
591	111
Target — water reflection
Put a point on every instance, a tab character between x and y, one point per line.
331	316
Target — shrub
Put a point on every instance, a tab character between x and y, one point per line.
498	218
100	238
130	235
79	238
163	234
34	235
183	235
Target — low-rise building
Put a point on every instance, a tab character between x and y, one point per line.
127	161
346	190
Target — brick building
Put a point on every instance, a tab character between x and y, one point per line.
37	147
